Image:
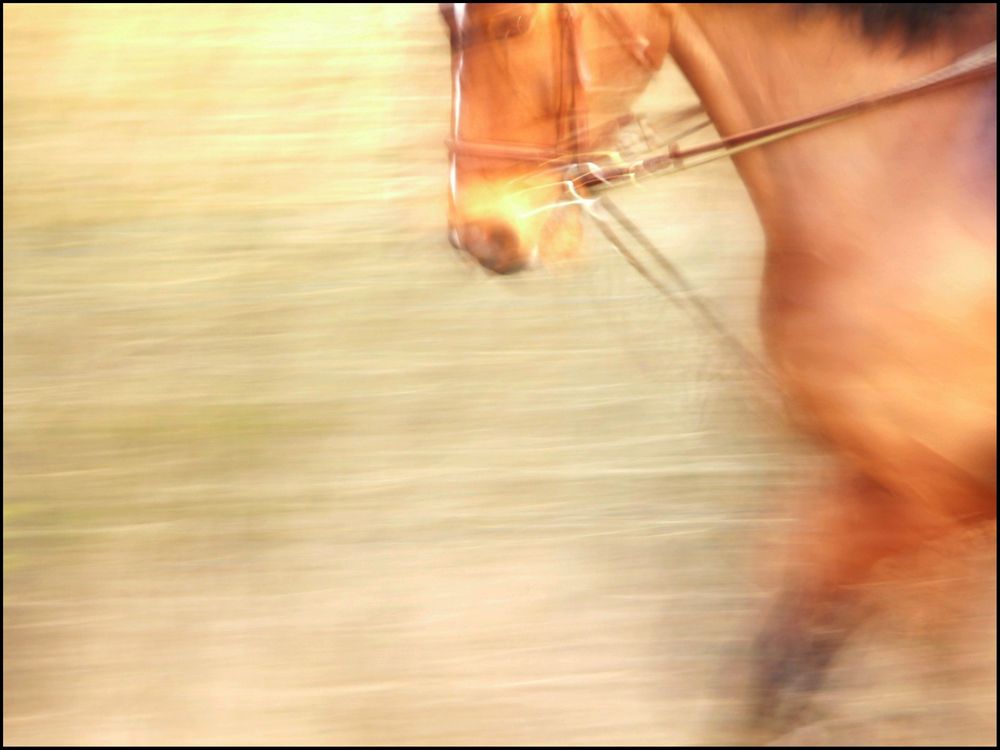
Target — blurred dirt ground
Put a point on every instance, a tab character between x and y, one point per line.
280	468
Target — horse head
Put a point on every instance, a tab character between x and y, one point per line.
534	86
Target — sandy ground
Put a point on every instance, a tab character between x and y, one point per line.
279	468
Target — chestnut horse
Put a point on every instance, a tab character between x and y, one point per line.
878	305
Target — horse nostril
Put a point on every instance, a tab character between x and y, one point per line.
494	244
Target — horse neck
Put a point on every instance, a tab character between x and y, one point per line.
754	66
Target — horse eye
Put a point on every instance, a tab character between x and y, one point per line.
508	26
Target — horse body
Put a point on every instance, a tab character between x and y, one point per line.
879	297
878	305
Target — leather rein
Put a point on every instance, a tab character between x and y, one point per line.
573	136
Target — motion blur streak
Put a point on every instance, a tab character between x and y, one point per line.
279	469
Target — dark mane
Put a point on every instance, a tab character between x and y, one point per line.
913	22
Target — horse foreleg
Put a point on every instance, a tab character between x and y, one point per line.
836	555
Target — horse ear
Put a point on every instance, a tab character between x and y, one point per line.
447	11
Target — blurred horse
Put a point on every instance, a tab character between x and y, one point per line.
879	295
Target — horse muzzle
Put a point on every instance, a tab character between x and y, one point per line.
492	242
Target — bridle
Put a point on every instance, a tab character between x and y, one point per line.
573	136
586	171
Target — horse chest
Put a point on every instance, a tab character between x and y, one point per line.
891	362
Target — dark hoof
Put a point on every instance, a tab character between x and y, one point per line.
792	656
